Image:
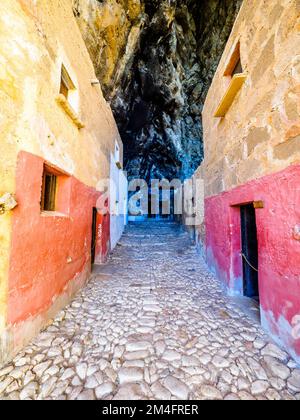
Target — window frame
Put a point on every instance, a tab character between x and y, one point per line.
232	81
68	97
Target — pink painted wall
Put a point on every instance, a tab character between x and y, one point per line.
279	251
49	251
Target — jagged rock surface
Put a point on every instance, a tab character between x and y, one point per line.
155	60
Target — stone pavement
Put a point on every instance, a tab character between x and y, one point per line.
152	324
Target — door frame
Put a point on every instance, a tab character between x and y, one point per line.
236	280
94	235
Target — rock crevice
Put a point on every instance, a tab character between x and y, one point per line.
155	60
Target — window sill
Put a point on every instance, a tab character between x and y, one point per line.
233	89
54	214
62	101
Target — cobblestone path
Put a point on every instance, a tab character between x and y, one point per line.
152	324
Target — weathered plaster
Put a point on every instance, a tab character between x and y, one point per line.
33	124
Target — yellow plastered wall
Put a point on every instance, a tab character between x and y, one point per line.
260	133
45	36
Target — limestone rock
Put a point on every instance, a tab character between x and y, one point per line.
47	388
160	392
130	392
259	387
7	203
220	362
87	395
104	390
274	351
176	387
81	370
138	346
41	368
190	361
276	368
5	371
68	373
294	381
171	355
29	391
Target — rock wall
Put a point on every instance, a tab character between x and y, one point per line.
45	256
253	154
155	60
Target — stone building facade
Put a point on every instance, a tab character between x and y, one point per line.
57	138
251	167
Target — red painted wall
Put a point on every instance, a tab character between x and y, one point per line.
48	251
279	251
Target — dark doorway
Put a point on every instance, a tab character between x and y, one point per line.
250	251
94	235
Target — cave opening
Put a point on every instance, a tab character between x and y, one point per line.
164	91
155	61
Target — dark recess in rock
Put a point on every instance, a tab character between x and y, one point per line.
160	96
